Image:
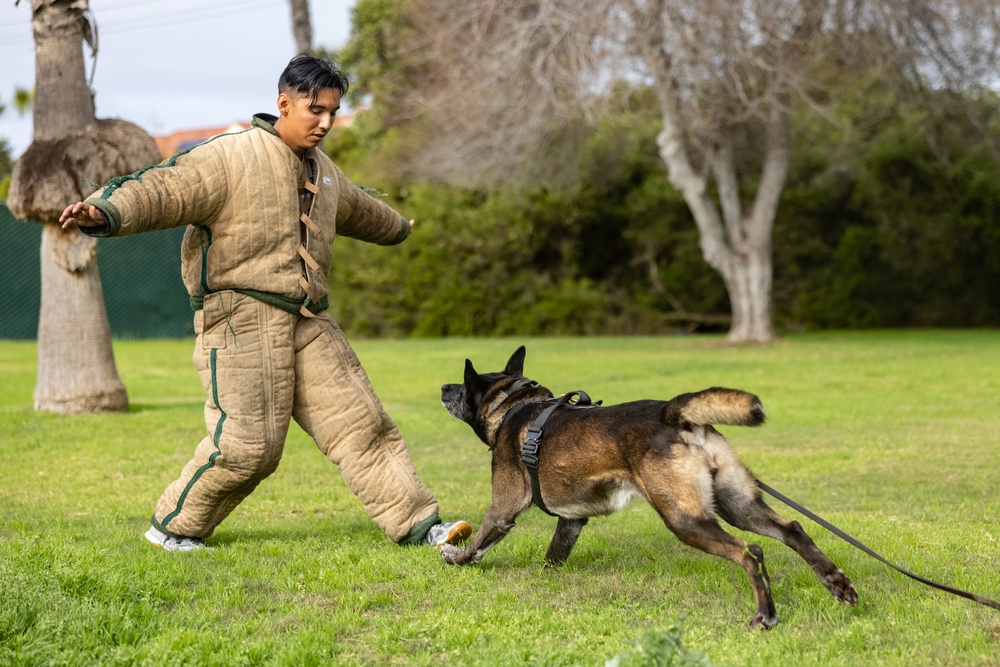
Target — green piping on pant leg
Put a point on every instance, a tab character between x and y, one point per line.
159	526
215	440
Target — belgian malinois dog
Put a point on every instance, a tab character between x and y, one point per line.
594	460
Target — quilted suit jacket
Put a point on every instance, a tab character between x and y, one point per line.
239	195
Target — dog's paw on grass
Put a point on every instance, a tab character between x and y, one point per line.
841	587
762	621
450	553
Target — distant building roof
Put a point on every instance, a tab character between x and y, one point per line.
182	140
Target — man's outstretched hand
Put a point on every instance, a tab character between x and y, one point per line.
82	214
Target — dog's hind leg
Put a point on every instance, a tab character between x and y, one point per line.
706	534
567	532
755	516
680	491
739	502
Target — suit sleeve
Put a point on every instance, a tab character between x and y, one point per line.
363	217
187	189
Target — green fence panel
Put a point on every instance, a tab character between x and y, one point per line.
140	275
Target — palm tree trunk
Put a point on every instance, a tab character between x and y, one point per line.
64	103
76	364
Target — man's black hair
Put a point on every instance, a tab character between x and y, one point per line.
308	75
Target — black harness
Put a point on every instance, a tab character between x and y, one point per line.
533	440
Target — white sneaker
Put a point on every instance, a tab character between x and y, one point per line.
448	533
174	543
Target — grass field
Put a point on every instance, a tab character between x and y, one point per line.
890	435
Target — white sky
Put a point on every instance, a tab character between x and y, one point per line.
170	65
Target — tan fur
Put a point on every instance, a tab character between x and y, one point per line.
594	460
722	406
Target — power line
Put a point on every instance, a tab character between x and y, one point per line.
132	5
21	26
167	19
163	19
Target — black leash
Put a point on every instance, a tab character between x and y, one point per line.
850	540
533	441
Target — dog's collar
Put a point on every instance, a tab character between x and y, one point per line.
516	386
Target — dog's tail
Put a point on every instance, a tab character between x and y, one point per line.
715	406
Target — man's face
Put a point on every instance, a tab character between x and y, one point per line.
304	121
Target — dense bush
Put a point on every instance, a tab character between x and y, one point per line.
613	255
900	228
893	224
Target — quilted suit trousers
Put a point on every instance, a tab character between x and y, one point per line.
261	367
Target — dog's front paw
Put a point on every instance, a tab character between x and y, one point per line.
452	554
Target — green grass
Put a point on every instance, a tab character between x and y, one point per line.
890	435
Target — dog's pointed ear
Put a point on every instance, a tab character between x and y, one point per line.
471	376
515	366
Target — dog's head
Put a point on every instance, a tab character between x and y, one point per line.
478	400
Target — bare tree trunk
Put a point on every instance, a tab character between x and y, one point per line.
301	26
738	246
735	243
748	282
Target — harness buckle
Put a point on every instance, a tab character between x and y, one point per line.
529	449
532	443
